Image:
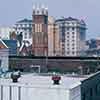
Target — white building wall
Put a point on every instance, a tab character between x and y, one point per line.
73	39
76	26
24	92
30	87
25	34
75	93
24	28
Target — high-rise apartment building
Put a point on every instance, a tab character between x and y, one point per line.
72	33
53	37
40	31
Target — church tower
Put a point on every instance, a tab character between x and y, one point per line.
40	31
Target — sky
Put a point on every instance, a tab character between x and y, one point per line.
88	10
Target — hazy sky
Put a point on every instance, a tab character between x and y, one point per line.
14	10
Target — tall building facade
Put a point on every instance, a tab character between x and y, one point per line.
53	37
40	31
24	27
72	35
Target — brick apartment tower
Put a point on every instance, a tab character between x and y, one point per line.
40	31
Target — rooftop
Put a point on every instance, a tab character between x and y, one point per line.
71	19
24	21
30	80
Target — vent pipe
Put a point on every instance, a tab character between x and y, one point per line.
15	76
56	79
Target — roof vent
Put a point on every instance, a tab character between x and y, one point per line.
15	76
56	79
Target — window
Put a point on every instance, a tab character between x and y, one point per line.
30	35
68	52
91	92
67	40
0	63
68	44
25	35
73	44
73	28
67	36
68	23
33	11
73	33
30	25
67	28
96	89
67	33
38	12
73	23
83	96
21	25
72	36
73	52
67	48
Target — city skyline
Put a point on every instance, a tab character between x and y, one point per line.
13	11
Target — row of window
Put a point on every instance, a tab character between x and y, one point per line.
71	36
71	48
38	27
68	52
27	35
68	23
68	44
24	28
70	33
24	25
68	28
71	40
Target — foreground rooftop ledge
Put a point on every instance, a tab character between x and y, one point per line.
41	81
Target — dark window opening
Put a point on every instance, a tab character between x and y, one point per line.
91	92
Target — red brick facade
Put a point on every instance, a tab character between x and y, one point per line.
40	35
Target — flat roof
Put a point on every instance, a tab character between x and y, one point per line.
38	81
